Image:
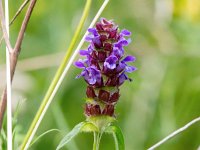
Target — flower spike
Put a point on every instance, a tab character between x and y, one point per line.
105	67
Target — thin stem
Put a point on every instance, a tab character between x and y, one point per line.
8	82
13	52
4	30
97	138
47	99
95	141
175	133
19	11
20	37
16	15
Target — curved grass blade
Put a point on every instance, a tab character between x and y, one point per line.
43	134
118	136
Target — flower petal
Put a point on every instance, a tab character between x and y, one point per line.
97	42
124	42
118	52
79	64
129	59
122	78
129	40
92	75
120	67
93	31
121	43
89	38
125	32
130	69
84	52
110	62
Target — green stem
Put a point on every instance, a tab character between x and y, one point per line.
37	119
97	139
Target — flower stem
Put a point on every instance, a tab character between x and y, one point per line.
46	101
97	139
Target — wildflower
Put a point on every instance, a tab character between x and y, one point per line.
105	68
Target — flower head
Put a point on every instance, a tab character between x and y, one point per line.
105	67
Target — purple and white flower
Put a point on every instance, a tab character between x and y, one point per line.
105	66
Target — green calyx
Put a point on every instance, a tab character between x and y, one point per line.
100	122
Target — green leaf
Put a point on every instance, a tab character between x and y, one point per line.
118	136
43	134
71	134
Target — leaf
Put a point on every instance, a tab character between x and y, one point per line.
118	136
71	134
43	134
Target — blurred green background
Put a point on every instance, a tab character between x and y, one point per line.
164	94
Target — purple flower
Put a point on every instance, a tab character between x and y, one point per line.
118	52
91	75
81	63
105	66
130	69
93	31
110	62
97	42
122	78
121	43
84	52
93	34
125	32
129	59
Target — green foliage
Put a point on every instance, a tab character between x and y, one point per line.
77	129
3	139
90	127
118	136
42	135
165	91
